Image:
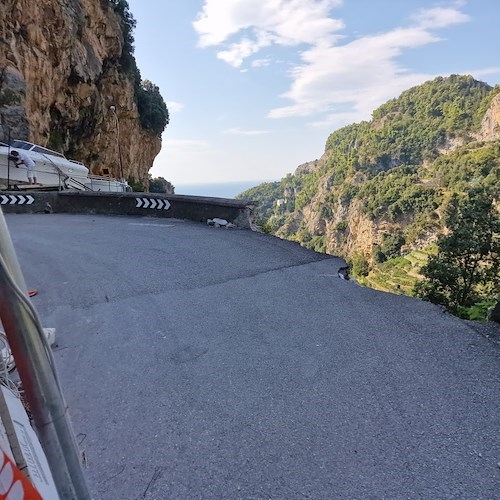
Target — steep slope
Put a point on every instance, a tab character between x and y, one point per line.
379	189
61	69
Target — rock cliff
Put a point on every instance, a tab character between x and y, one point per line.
382	185
490	126
61	84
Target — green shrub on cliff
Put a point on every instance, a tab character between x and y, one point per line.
466	269
409	129
398	170
160	185
153	112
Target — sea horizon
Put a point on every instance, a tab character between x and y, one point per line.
217	189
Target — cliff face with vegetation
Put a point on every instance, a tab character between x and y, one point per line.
61	71
380	189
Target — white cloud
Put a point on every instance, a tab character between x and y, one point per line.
359	75
180	159
238	52
481	73
362	73
260	63
174	106
280	22
334	80
439	17
238	131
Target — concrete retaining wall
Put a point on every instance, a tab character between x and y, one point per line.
194	208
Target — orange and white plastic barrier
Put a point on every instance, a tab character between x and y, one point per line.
13	484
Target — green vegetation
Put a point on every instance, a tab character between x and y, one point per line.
396	174
153	112
466	269
160	185
267	195
398	274
410	129
136	186
360	266
128	24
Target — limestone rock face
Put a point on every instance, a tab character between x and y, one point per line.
490	126
59	78
344	228
310	166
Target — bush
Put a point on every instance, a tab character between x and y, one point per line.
153	112
391	244
160	185
136	186
342	225
466	269
152	109
360	265
477	312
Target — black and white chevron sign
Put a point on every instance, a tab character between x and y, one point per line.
155	203
16	199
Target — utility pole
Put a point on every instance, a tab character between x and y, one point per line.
113	109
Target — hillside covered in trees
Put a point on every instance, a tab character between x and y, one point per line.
379	194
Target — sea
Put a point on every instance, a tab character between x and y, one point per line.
217	190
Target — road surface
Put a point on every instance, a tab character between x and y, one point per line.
204	363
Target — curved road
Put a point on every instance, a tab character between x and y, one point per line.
203	363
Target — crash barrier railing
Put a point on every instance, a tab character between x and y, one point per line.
38	375
67	180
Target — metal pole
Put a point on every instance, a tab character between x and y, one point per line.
113	109
39	379
8	162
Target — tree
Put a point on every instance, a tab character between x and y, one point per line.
153	111
128	24
466	268
160	185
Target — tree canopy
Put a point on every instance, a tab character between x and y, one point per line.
153	112
160	185
466	268
397	172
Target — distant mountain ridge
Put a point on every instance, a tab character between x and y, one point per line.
379	189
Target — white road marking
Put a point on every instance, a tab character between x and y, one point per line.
150	224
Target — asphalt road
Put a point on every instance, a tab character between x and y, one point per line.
203	363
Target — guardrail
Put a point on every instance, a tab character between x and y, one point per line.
196	208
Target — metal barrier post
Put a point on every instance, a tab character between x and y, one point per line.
37	371
8	163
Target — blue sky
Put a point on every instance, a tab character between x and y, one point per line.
255	87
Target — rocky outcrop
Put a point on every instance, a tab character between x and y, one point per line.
334	222
494	314
490	126
62	85
311	166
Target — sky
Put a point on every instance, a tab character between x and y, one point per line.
255	87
